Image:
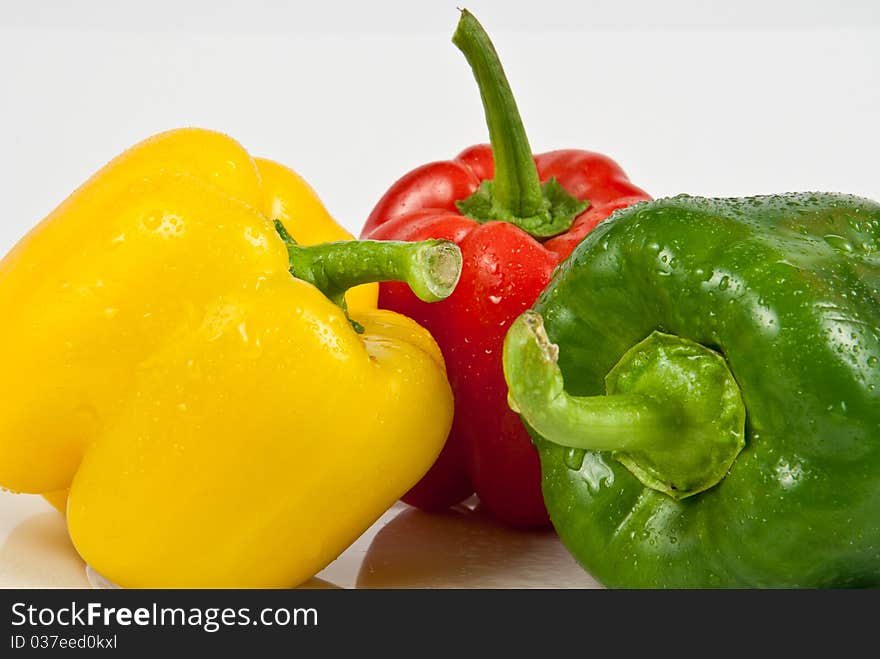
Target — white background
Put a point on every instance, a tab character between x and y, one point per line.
712	98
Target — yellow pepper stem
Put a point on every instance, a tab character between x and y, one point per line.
430	268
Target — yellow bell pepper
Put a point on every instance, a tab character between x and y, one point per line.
176	359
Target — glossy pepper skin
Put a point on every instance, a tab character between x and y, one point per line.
508	258
702	378
219	422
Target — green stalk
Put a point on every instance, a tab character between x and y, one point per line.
672	413
431	268
516	195
517	187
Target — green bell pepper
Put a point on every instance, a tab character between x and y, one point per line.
701	382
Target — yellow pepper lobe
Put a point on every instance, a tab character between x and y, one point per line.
101	303
267	439
218	422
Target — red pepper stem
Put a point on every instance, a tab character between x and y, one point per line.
516	195
517	186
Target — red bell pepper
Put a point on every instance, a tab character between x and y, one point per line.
515	218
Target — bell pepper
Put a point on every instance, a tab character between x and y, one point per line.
515	217
189	371
702	381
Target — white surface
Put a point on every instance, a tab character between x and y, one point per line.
712	97
405	548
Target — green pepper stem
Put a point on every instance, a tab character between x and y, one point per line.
517	186
431	268
673	414
599	423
